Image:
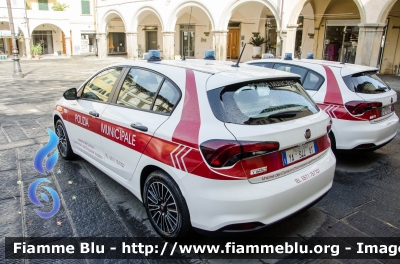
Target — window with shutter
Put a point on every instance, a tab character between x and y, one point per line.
85	7
43	4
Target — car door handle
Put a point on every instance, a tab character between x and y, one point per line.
94	113
139	127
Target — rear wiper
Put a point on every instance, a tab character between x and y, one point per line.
287	114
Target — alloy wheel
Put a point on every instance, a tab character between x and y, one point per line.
162	207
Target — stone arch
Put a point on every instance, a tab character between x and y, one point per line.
107	16
228	11
34	25
386	10
146	9
301	3
174	17
21	26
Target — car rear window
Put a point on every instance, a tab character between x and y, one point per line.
366	82
261	102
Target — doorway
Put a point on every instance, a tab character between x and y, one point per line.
187	40
151	40
233	45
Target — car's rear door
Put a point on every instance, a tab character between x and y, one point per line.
83	118
277	121
139	107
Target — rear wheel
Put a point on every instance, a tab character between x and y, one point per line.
64	146
165	206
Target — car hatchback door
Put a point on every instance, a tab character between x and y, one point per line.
144	101
84	113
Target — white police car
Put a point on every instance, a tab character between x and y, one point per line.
360	104
201	143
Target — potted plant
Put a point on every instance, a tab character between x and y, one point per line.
257	42
36	50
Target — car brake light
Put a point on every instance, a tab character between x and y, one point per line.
360	107
224	153
329	126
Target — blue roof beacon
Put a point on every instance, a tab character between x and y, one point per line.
209	55
288	56
154	55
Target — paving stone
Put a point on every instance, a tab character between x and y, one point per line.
28	152
8	184
11	223
8	160
371	226
389	215
14	132
72	175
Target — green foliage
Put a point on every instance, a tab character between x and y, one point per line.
27	7
57	6
37	49
257	41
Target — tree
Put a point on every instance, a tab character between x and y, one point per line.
57	6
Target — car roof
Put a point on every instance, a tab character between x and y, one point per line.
213	67
346	68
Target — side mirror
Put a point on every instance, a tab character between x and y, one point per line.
70	94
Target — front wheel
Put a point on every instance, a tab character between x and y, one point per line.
64	146
165	206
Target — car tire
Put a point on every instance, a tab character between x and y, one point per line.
64	146
165	206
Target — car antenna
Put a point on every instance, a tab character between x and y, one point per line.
190	17
241	53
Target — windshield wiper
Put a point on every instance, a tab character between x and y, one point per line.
286	114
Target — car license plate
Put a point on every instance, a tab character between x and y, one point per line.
386	110
298	153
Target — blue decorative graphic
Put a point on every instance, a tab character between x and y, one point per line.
32	196
43	152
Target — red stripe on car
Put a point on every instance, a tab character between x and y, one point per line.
187	130
333	94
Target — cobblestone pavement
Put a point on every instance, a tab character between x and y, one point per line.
364	200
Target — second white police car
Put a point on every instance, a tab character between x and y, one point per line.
360	104
201	143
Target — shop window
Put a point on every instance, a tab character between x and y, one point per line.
43	4
85	7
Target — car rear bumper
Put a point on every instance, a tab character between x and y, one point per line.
214	204
353	134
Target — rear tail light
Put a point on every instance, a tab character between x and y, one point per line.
224	153
329	126
360	107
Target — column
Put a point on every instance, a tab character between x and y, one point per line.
68	46
168	45
28	47
132	45
101	45
290	41
369	44
220	44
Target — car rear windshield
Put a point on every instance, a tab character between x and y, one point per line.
366	83
261	102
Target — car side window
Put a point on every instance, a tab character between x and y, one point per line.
291	68
167	98
263	64
139	89
312	81
100	86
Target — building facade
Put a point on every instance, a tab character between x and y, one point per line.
357	31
